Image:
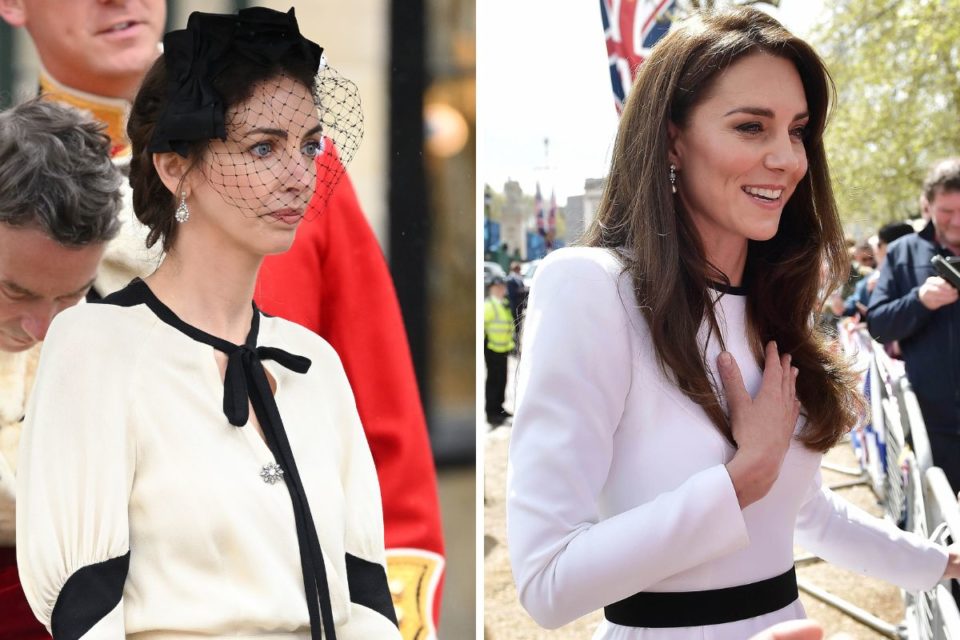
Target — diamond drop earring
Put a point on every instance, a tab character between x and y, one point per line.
183	213
673	177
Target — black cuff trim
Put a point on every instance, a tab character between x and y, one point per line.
367	582
88	596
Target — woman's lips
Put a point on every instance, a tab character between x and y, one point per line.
287	216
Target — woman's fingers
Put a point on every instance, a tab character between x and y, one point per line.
772	369
792	630
733	387
787	380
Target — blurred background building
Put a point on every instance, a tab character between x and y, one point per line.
518	226
414	62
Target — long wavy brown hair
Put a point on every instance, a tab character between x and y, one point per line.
670	272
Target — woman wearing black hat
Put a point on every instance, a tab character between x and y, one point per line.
190	465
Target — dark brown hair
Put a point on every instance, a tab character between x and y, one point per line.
670	272
153	203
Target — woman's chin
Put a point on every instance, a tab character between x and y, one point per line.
764	232
278	248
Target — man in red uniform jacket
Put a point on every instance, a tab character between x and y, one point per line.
334	281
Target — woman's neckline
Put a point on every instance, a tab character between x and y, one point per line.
167	315
727	289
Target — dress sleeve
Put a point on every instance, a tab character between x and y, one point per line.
576	370
372	613
74	481
847	536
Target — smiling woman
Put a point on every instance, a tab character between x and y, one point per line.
276	527
740	156
674	397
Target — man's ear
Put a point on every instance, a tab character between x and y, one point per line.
13	12
172	169
674	144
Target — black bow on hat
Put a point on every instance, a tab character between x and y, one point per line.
195	56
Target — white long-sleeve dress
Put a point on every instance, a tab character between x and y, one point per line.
144	512
617	483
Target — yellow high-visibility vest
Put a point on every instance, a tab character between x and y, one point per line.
498	326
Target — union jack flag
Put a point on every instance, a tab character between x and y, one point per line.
631	28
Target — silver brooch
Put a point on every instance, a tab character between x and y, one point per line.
271	473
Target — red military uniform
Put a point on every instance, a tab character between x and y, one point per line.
334	281
17	370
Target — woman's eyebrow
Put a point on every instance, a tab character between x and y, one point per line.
280	133
762	112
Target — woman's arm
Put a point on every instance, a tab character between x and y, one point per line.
576	371
842	534
74	481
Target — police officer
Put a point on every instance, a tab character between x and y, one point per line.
497	345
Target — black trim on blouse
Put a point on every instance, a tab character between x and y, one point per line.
245	382
88	596
727	289
367	582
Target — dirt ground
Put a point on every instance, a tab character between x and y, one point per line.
504	619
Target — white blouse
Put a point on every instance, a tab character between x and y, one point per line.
617	484
144	513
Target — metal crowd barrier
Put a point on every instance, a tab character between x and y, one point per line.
934	614
896	457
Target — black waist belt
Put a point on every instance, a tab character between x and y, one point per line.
698	608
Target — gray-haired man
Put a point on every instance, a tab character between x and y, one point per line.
59	198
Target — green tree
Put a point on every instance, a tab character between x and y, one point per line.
895	65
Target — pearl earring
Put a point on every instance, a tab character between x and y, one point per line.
673	177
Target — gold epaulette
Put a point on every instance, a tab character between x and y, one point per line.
110	111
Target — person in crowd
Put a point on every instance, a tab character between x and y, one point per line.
498	343
863	257
517	297
334	279
192	466
861	266
859	300
914	306
831	314
503	257
673	403
59	199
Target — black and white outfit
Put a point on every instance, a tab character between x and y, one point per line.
618	497
149	507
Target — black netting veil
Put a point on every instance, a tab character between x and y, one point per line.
280	123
